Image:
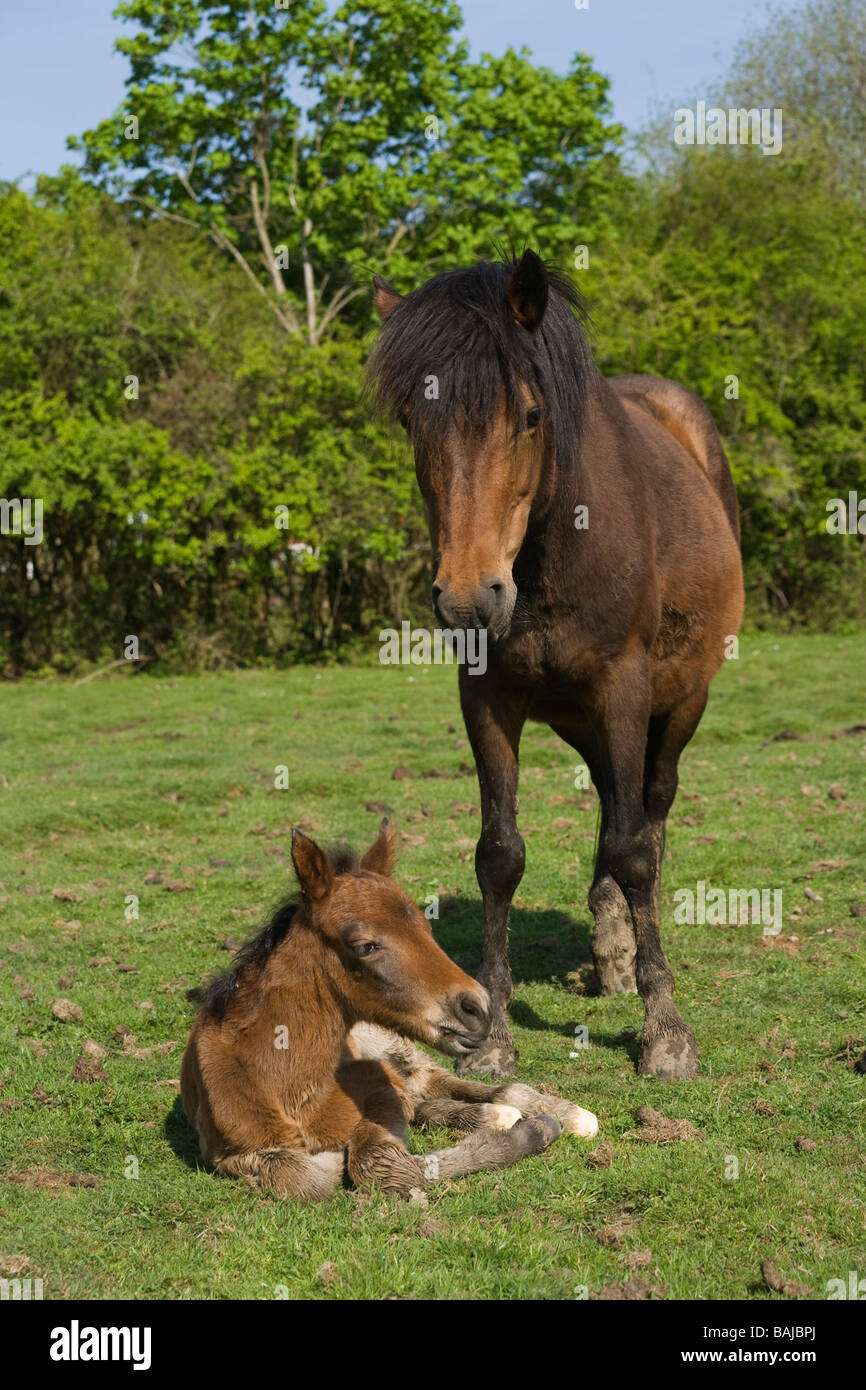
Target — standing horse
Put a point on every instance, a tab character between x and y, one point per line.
590	528
299	1066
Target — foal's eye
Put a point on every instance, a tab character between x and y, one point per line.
365	948
533	419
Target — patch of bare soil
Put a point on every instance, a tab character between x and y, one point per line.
659	1129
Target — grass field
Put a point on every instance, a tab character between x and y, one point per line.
158	794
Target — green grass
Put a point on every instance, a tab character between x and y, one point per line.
106	782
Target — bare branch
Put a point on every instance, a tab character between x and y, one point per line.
285	316
340	300
261	228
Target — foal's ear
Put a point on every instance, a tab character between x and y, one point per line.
382	855
528	290
385	297
313	868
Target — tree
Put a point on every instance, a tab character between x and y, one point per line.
315	148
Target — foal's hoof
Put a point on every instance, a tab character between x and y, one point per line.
499	1116
497	1057
536	1134
669	1056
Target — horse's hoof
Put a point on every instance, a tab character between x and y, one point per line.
497	1057
669	1056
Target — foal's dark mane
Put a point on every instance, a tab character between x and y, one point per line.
459	328
215	997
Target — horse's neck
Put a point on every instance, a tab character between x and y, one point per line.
299	989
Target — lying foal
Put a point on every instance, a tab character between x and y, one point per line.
299	1065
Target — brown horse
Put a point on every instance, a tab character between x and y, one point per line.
290	1077
589	527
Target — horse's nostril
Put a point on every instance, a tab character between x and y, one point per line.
497	587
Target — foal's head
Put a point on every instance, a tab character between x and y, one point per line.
384	963
486	369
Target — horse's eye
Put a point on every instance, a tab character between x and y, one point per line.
533	419
404	423
365	948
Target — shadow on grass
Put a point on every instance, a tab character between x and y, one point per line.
546	947
181	1136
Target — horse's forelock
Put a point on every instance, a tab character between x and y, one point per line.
451	347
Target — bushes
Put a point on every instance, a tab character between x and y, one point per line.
164	516
218	488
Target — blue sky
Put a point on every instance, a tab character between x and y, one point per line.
58	74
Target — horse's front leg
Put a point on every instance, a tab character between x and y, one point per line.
494	727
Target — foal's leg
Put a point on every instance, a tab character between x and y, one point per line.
456	1104
378	1151
288	1173
494	727
490	1148
632	847
387	1092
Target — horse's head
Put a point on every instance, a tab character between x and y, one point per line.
384	964
480	366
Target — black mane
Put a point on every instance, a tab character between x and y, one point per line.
215	997
458	327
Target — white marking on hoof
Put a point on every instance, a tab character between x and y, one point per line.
578	1121
431	1167
501	1116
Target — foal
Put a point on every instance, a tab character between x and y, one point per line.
292	1073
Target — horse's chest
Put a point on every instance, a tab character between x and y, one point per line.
552	667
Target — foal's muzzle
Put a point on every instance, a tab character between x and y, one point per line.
472	1016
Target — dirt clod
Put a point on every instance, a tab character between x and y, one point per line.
773	1280
660	1129
603	1156
66	1011
42	1180
633	1291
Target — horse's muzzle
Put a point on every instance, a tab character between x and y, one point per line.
485	607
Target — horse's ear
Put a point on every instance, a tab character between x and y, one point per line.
528	290
382	854
385	297
313	868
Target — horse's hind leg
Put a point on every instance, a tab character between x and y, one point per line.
287	1173
613	943
640	783
667	1045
